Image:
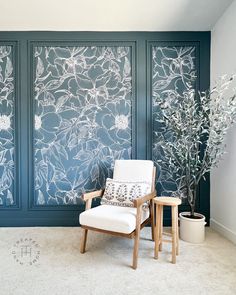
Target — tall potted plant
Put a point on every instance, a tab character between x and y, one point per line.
194	126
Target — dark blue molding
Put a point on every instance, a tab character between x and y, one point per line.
15	61
31	69
149	45
202	84
25	214
150	127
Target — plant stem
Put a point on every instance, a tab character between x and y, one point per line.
193	200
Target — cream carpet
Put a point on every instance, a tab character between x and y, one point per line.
60	269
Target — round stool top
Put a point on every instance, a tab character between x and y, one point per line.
168	201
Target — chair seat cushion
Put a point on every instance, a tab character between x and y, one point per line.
112	218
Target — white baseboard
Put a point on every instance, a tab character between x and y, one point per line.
223	230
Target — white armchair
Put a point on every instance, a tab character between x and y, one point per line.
117	220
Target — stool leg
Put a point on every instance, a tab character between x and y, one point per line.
177	231
161	228
173	215
157	233
152	219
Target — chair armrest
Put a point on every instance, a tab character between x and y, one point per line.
92	195
138	202
88	197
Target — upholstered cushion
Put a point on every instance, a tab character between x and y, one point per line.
133	170
112	218
123	193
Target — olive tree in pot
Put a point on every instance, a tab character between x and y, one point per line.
192	143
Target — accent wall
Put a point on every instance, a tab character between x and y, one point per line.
71	103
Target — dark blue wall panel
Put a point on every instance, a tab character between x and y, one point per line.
75	102
82	103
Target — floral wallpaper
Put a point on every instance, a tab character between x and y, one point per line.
173	69
6	127
82	119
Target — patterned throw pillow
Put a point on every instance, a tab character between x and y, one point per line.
120	193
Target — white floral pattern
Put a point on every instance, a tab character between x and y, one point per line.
37	122
6	127
121	122
173	68
82	108
5	122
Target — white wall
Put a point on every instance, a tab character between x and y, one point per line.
110	15
223	179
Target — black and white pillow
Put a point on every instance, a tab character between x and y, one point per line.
123	193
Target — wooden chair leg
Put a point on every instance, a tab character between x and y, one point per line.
157	232
83	241
136	240
135	253
173	215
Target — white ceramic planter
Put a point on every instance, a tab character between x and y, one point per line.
192	230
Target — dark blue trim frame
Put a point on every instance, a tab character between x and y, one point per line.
150	45
26	214
17	153
61	43
203	205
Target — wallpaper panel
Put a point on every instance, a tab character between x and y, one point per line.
82	119
173	68
6	126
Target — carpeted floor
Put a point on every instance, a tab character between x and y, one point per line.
60	269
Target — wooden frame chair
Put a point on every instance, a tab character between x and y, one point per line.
88	197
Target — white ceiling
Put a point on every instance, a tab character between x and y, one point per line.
110	15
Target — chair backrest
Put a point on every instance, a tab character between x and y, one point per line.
134	170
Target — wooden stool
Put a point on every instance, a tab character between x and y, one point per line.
160	202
